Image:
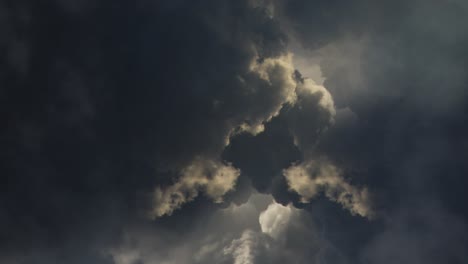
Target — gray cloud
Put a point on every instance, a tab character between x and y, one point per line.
427	234
181	104
398	84
253	232
103	110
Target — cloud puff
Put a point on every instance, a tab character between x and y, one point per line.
213	178
311	115
274	220
278	73
311	178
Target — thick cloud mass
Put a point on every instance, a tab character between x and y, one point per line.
233	131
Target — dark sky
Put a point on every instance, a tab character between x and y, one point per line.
233	131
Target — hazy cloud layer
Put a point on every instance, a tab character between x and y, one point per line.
253	232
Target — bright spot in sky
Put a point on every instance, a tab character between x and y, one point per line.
274	220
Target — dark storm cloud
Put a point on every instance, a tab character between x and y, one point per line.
116	108
269	153
105	101
398	75
287	138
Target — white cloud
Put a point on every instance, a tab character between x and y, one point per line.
274	220
309	86
244	249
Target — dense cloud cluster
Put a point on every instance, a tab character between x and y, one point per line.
233	131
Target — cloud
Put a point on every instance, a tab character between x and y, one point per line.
278	73
103	111
397	76
312	114
211	177
311	178
278	86
243	249
289	136
231	235
427	234
275	219
182	105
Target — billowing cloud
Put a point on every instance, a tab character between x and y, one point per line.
210	177
312	114
278	73
275	219
273	81
314	177
105	111
331	109
396	80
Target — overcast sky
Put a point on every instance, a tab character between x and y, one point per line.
233	131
